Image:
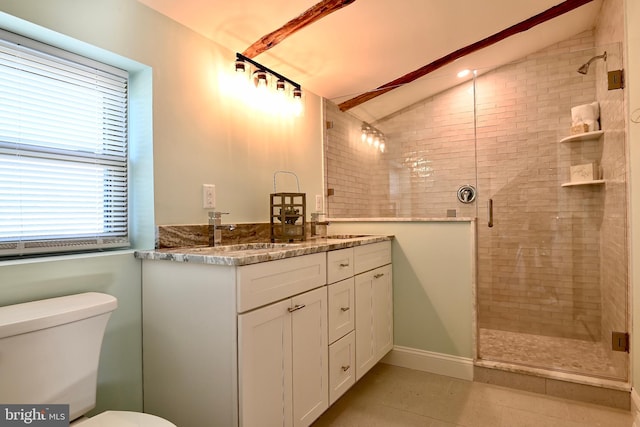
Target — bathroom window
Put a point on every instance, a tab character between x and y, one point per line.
63	151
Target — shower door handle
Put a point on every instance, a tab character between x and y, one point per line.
490	213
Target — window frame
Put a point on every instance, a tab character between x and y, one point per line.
80	242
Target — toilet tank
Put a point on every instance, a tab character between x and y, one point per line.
50	349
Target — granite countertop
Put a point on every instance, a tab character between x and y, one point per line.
253	253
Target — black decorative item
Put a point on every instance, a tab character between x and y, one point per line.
288	213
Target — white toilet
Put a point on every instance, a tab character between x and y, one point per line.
49	353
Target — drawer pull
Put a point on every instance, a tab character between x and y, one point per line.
345	308
377	276
345	368
343	264
295	308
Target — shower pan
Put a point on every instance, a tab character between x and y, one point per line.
552	286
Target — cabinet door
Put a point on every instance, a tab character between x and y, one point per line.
310	356
364	324
264	367
374	318
382	311
341	309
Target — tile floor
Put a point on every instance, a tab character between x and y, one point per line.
393	396
563	354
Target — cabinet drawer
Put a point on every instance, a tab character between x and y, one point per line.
262	283
342	362
339	265
341	309
368	257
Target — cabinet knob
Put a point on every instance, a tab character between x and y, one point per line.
295	308
344	264
379	275
345	308
345	368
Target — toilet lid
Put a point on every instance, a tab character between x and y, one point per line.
125	419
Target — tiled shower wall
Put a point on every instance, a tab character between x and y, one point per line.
614	247
541	266
429	154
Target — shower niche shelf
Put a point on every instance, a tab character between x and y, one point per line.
593	182
583	136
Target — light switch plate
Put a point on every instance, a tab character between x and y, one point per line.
208	196
318	203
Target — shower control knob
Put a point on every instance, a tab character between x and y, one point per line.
467	193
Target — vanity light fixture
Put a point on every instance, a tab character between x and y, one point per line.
373	137
262	73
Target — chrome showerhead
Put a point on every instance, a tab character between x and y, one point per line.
584	68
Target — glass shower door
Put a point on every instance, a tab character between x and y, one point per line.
552	267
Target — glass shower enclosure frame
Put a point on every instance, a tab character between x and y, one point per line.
552	245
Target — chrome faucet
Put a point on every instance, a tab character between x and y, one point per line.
315	222
216	227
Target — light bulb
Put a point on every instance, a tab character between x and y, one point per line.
260	79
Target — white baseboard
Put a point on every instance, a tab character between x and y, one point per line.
436	363
635	407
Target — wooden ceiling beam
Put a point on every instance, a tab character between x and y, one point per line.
520	27
316	12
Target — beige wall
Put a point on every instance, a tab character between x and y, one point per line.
198	135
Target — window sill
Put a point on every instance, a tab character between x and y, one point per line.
65	257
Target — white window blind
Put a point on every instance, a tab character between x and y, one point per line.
63	151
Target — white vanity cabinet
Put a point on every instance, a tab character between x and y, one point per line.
283	353
341	291
267	344
360	312
229	346
374	305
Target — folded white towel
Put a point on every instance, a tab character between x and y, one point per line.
587	114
